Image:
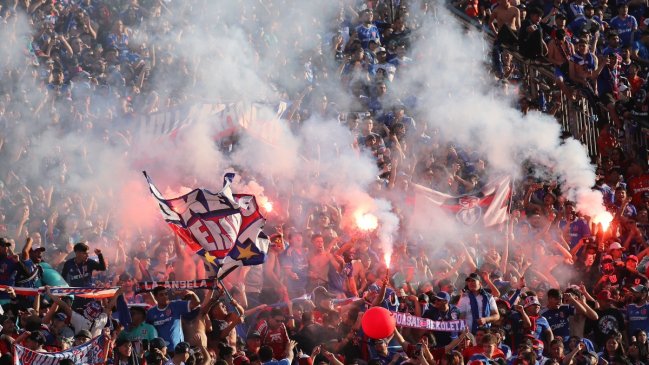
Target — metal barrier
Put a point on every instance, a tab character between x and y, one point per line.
576	116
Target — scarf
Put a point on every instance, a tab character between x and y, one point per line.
475	313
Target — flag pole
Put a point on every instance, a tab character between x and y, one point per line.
508	228
219	280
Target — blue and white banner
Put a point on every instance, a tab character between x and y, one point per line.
92	352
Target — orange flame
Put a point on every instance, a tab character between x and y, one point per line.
605	218
265	204
366	221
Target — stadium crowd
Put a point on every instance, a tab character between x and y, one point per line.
552	287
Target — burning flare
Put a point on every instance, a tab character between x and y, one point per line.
265	204
605	218
387	257
366	221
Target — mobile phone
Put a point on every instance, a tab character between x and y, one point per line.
418	349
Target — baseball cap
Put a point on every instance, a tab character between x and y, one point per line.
604	295
531	300
614	246
379	341
83	334
254	334
639	288
472	276
37	249
632	258
61	317
158	343
183	348
442	295
321	293
373	288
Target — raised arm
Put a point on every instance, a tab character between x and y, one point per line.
24	256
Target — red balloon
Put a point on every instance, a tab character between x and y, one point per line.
378	323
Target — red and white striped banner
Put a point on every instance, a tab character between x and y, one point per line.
91	293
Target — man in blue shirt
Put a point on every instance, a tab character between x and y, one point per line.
367	31
637	312
574	227
78	271
443	311
9	265
624	24
166	315
558	314
529	321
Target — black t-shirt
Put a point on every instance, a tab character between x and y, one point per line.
610	320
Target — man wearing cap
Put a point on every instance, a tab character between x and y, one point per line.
631	277
441	310
82	337
182	352
138	330
321	298
8	267
610	319
383	354
612	271
31	257
528	321
59	327
476	306
637	312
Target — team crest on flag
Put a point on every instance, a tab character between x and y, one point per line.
489	205
470	210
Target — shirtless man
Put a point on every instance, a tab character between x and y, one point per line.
319	263
508	18
583	64
559	51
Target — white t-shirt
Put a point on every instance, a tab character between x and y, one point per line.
80	322
464	305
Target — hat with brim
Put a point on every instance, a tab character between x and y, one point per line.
472	276
531	300
379	341
83	334
158	343
442	295
615	246
604	295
